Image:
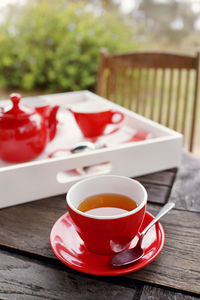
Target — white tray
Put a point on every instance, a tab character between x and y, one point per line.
44	177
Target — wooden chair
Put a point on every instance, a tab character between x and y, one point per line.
160	86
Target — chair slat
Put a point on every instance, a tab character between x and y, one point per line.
145	92
109	84
177	100
119	86
185	104
162	96
131	90
124	85
170	97
116	85
138	91
153	94
194	112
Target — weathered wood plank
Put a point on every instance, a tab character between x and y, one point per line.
27	226
30	279
163	178
158	185
37	217
154	293
185	191
177	266
157	193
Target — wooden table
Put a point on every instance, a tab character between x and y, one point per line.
29	269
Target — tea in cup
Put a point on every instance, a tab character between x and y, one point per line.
107	211
92	118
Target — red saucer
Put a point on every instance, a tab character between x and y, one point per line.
70	249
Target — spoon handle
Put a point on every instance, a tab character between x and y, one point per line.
161	213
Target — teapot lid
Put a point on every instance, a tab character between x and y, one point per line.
18	110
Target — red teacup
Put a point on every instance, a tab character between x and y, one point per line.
107	234
93	118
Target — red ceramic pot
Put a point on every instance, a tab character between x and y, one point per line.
25	131
107	234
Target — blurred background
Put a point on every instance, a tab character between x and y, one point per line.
49	46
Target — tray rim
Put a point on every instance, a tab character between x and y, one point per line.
170	133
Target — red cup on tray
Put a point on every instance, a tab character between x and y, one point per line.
93	118
108	233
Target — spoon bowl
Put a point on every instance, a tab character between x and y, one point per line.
132	255
87	146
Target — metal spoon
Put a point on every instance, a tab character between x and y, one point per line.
86	146
132	255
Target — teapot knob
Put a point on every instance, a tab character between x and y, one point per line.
15	98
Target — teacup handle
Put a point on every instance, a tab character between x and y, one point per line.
120	114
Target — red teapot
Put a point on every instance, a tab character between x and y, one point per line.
25	131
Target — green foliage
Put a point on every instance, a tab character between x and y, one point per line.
55	44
